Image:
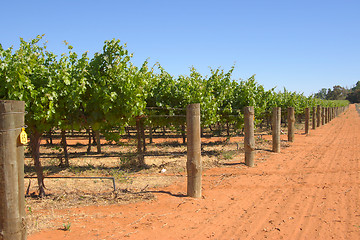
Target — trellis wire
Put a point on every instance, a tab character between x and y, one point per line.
164	108
14	129
7	113
151	116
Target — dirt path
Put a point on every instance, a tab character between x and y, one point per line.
308	191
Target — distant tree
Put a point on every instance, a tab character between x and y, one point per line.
354	94
338	93
321	94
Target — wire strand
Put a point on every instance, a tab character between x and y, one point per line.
13	129
7	113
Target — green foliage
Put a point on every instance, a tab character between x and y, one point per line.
250	93
337	93
116	90
71	85
174	94
108	91
67	226
29	74
354	94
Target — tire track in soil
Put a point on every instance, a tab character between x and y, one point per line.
290	200
265	198
308	207
336	174
264	212
349	176
349	173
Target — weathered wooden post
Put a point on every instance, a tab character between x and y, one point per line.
140	146
183	133
65	147
98	141
314	118
193	164
291	122
307	120
12	193
143	136
249	140
150	133
276	123
322	115
326	115
318	115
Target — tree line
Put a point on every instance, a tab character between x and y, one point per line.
340	93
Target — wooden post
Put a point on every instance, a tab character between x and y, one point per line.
193	164
307	120
326	115
12	193
249	140
140	147
89	140
50	137
276	123
143	137
314	118
97	139
150	133
322	116
291	122
183	134
64	145
318	114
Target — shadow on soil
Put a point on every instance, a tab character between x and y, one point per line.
180	195
234	164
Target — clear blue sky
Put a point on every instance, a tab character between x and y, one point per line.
302	45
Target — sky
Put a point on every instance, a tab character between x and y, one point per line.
302	45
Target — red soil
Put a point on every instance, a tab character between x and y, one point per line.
308	191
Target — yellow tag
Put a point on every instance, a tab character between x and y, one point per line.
23	136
